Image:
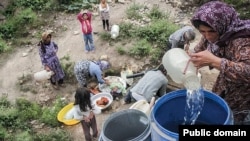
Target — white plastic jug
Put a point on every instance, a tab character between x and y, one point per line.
43	75
180	69
114	31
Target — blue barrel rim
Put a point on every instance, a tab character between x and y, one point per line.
178	93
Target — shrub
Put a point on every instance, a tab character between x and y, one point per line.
4	102
27	110
68	67
76	6
3	133
23	136
33	4
49	115
133	11
54	135
156	55
8	117
15	26
155	13
7	30
121	50
127	30
157	32
105	36
141	49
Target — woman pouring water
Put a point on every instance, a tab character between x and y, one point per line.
225	45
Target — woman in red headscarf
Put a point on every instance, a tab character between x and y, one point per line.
225	46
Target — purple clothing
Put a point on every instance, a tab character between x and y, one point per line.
233	47
50	59
224	19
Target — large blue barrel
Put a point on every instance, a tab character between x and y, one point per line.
169	112
126	125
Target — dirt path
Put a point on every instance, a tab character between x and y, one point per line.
26	60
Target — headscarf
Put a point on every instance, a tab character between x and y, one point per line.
43	39
104	65
46	34
224	19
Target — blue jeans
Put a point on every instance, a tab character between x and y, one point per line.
88	40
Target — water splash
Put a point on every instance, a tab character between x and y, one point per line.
194	105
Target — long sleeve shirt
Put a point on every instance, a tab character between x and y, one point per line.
95	70
151	84
177	38
233	81
101	9
50	54
85	23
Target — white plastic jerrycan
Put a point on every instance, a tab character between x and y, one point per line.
114	31
43	75
180	69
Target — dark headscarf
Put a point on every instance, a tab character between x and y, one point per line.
224	19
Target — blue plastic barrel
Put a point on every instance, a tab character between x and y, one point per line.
169	112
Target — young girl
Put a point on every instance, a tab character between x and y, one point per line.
104	13
84	113
85	18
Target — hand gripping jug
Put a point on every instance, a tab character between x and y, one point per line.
180	69
114	31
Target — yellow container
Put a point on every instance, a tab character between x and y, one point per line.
63	112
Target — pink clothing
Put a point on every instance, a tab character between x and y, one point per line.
86	24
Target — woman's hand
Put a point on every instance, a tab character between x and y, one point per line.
205	58
47	68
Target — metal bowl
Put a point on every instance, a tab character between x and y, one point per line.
98	96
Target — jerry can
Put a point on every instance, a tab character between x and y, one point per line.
43	75
114	31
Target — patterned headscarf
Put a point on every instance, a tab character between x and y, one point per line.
224	19
104	65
